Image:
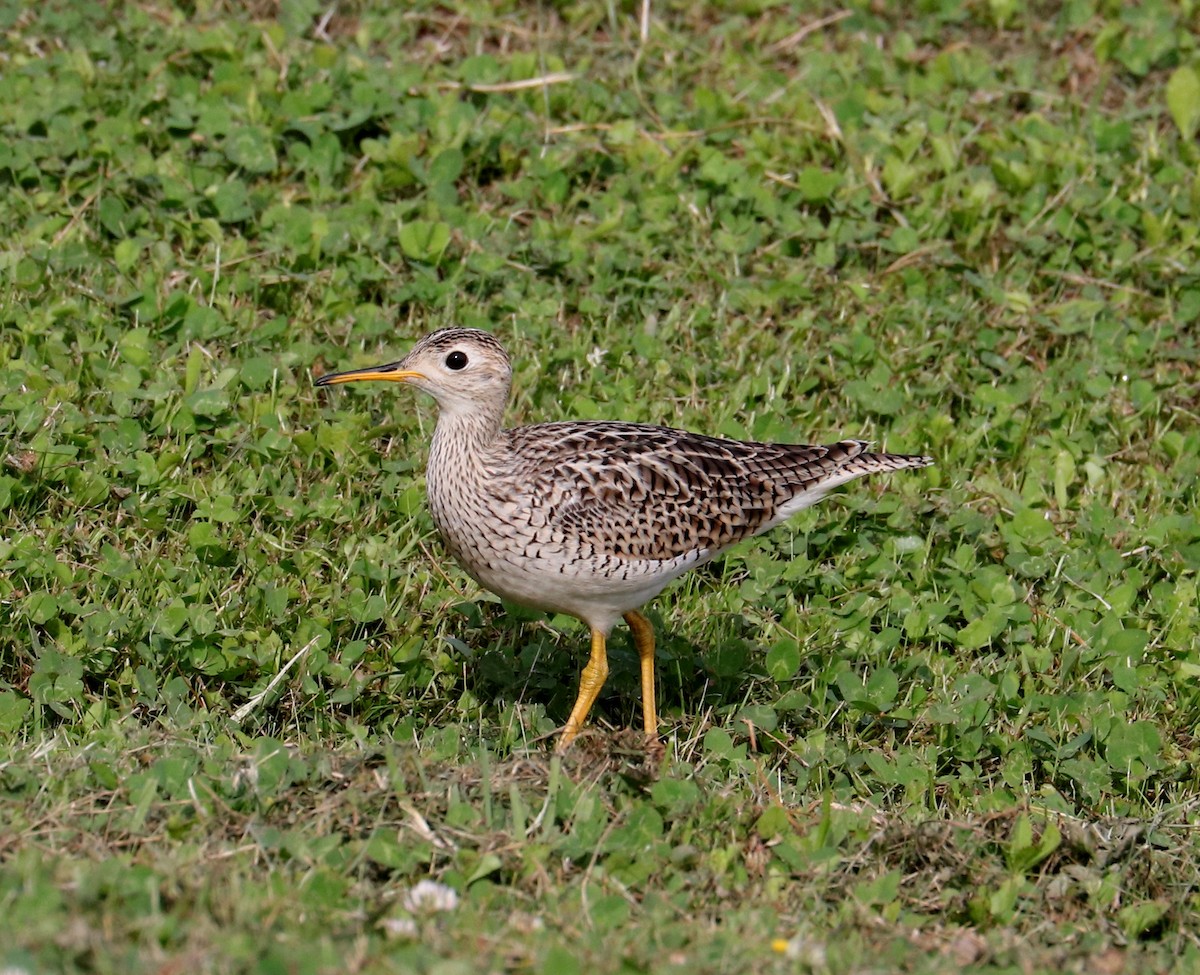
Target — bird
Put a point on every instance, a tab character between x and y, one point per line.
594	518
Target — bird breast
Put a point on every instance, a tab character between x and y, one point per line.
504	527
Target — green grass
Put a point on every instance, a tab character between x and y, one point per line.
943	722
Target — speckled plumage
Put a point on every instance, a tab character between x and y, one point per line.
593	519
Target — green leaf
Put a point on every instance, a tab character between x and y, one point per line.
1003	11
297	15
126	253
134	347
270	766
233	202
191	371
251	148
817	185
560	961
761	716
367	609
1031	525
13	708
898	176
882	688
1024	853
1137	919
257	372
1183	100
879	891
446	167
773	822
783	660
675	796
1134	749
29	274
1064	477
42	607
488	864
424	240
207	402
394	850
610	912
850	686
1003	900
9	487
207	543
980	631
1127	643
57	678
718	743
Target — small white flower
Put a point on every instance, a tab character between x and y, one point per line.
526	923
596	356
430	897
399	927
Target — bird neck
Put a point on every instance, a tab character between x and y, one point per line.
472	430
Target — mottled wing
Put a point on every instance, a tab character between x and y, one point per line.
650	493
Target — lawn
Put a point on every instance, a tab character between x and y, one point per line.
252	716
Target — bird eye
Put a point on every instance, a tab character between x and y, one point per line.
456	360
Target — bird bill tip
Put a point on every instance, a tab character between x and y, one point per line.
390	373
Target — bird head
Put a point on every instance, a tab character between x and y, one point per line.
466	370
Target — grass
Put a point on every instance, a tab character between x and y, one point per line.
943	722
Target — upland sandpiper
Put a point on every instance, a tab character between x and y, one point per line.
594	518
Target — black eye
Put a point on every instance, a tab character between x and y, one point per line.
456	360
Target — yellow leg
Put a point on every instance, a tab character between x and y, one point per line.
643	639
595	672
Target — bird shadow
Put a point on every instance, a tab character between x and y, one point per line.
527	660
